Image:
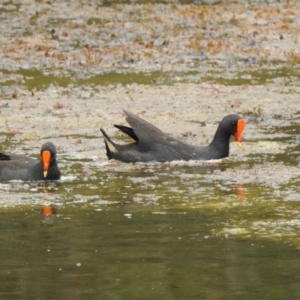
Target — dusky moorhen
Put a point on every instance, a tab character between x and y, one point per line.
151	144
19	167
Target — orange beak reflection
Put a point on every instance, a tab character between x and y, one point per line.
46	158
239	130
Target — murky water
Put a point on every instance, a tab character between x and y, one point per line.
193	230
170	231
137	252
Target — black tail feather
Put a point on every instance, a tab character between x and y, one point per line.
127	130
4	156
109	145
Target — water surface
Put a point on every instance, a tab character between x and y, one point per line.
108	230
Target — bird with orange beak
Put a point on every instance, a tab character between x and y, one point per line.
19	167
152	144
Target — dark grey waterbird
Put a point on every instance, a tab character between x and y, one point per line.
20	167
151	144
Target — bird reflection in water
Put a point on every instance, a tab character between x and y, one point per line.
240	191
49	212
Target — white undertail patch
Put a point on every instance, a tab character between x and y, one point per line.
110	146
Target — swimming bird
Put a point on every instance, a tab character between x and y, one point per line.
151	144
19	167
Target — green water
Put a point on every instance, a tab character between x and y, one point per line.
128	251
37	80
150	231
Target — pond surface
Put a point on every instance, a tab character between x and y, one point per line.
137	252
173	231
183	230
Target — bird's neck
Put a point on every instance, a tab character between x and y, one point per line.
221	142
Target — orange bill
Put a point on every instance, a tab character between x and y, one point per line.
239	130
46	158
47	210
